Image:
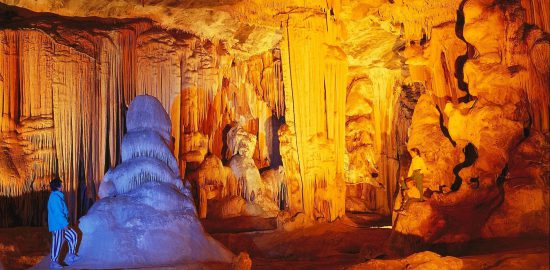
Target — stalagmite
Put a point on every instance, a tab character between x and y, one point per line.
83	86
240	142
315	77
127	176
213	181
247	175
273	186
133	146
147	207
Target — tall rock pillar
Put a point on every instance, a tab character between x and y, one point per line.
315	73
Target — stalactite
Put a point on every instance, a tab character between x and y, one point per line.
217	91
315	114
64	117
537	13
10	80
64	99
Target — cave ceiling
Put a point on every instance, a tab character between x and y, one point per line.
370	29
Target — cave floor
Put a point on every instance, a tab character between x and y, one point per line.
338	245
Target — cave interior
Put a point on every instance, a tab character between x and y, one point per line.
278	134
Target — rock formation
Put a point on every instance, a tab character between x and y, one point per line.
422	260
213	181
469	136
144	206
67	118
238	189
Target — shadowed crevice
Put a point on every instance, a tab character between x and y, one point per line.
443	128
462	59
502	176
470	156
527	128
474	182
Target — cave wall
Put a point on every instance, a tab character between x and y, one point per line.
66	85
428	55
481	106
92	68
40	115
439	69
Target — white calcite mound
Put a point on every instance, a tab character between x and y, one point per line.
247	175
130	175
240	142
146	113
146	216
147	143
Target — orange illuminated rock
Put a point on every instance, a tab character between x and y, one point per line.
422	260
80	76
526	194
468	142
212	181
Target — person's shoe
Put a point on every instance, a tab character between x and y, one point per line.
71	258
55	265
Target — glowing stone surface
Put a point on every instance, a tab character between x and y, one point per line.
470	136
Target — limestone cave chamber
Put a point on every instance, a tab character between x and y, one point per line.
275	134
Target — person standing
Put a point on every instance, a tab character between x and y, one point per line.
417	171
58	225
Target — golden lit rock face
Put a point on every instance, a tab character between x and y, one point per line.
36	112
337	92
374	83
491	115
66	86
204	90
315	75
526	196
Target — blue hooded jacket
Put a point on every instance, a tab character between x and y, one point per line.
57	211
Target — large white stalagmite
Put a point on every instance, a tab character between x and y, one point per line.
146	216
147	144
130	175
